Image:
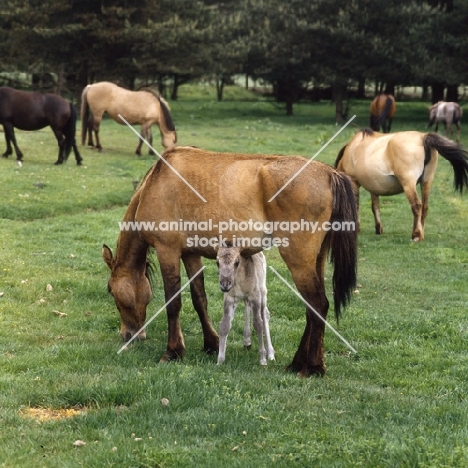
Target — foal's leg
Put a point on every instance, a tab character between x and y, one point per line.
192	265
247	330
258	325
230	304
266	329
376	211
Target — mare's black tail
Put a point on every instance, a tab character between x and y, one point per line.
453	153
343	245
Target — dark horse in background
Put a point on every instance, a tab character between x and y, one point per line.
382	111
32	111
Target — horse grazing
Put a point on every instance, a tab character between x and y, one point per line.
382	111
448	113
244	279
237	188
392	164
32	111
142	107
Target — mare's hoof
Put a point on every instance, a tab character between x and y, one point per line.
79	163
56	163
171	356
308	371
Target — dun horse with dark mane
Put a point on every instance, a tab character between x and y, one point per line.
32	111
392	164
237	188
142	107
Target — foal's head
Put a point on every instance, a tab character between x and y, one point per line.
227	259
131	289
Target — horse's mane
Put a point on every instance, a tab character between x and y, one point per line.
164	107
340	155
365	132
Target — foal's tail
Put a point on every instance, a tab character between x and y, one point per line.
84	114
343	241
69	132
453	153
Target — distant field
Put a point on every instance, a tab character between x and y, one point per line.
401	401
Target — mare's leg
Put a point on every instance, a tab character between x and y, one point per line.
192	265
230	304
61	144
308	275
426	184
150	140
77	154
416	208
266	329
140	140
389	125
10	138
258	326
376	211
458	132
95	123
169	262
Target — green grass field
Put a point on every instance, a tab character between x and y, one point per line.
400	402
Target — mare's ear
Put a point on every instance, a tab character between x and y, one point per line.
107	256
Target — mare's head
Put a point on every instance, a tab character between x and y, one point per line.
227	259
131	288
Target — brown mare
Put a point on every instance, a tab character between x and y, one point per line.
237	188
448	113
392	164
32	111
382	111
142	107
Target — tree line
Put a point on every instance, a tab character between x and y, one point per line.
297	47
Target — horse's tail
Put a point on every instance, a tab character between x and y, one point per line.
84	113
453	153
69	132
343	242
385	114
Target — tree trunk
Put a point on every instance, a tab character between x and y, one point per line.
339	91
452	93
220	81
437	92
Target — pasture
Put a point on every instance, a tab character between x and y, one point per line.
400	401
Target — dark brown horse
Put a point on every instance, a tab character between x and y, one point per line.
32	111
237	189
142	107
382	111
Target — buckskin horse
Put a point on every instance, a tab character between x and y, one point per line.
237	188
448	113
382	111
27	110
392	164
141	107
